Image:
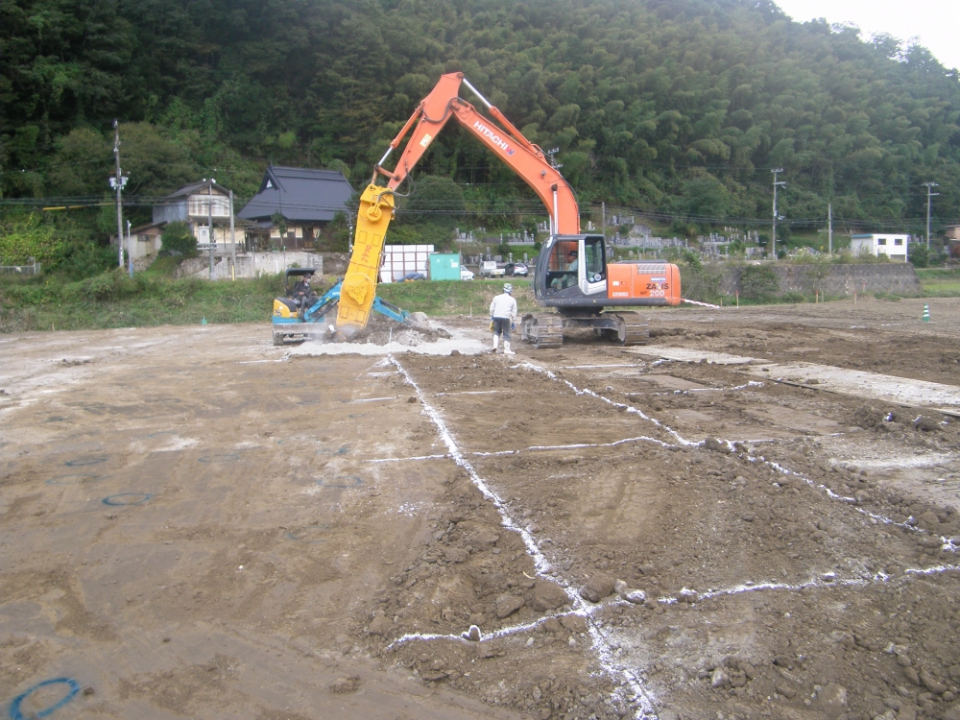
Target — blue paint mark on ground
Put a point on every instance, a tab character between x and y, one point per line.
73	687
340	481
227	458
342	451
75	479
309	534
127	499
85	461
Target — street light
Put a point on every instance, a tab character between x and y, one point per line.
930	186
773	241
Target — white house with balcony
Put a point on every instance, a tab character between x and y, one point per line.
201	205
893	246
204	206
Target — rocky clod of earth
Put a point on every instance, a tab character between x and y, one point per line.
716	445
597	588
507	605
637	597
549	596
926	423
344	685
380	626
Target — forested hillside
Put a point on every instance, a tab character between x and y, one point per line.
679	107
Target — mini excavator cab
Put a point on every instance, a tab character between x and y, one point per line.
289	307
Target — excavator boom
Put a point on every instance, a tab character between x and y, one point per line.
505	141
377	203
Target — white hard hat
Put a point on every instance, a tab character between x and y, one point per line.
507	288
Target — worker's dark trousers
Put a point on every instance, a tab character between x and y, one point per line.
501	326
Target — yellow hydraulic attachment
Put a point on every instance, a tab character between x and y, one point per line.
360	282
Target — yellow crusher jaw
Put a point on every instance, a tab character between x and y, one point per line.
360	283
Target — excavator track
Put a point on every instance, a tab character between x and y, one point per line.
633	329
544	331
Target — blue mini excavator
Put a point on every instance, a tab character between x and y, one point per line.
304	318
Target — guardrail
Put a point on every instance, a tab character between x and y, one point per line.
26	270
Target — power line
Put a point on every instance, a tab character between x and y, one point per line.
489	208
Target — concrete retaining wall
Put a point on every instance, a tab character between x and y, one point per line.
268	263
834	280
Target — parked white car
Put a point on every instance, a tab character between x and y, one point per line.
489	268
465	274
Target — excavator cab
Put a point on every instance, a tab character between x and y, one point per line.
289	308
574	277
299	315
572	271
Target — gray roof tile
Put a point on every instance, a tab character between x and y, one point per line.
299	194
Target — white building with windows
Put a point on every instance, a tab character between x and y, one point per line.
893	246
199	205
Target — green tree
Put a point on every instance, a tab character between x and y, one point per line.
676	108
919	255
82	165
758	282
435	196
178	240
155	164
26	237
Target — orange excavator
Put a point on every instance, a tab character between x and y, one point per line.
572	272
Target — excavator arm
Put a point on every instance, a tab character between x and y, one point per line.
377	201
506	142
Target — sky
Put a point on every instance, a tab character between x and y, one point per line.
934	23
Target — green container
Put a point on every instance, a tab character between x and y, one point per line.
444	266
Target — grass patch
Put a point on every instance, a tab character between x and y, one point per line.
113	300
153	298
452	297
939	282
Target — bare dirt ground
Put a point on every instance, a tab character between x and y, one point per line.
194	523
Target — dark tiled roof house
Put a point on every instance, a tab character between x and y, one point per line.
306	199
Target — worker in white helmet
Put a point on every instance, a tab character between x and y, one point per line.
503	318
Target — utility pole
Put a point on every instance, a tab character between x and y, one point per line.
930	186
210	223
830	228
233	240
773	240
553	161
117	182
